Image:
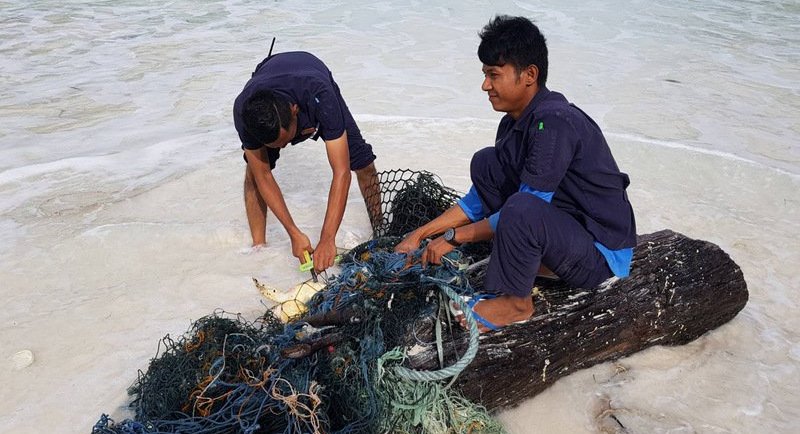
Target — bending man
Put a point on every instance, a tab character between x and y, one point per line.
292	97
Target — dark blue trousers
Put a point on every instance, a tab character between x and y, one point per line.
531	232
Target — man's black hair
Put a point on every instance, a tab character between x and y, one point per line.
516	41
264	114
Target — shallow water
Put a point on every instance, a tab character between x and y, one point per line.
121	217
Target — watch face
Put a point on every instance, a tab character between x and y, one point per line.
450	235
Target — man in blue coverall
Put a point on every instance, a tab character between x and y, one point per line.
548	193
292	97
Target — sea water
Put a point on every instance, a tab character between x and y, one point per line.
121	216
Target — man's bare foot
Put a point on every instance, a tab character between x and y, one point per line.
501	311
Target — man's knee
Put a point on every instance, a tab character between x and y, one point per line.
366	171
249	181
482	162
366	175
523	211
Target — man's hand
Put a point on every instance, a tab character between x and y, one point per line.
434	251
300	245
409	244
324	255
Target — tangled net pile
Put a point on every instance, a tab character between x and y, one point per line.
335	369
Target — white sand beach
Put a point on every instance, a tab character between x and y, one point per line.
121	213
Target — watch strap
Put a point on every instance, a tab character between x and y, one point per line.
450	237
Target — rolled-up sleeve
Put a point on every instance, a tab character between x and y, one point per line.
471	205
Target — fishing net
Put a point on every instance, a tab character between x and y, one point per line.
336	366
408	200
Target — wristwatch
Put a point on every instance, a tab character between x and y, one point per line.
450	237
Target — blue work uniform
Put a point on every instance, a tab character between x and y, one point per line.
554	195
303	79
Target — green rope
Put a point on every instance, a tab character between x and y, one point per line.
426	406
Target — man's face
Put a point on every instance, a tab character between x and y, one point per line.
505	88
285	136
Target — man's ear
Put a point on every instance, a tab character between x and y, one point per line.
531	75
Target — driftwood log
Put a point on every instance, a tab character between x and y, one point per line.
679	289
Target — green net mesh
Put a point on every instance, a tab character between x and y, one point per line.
408	199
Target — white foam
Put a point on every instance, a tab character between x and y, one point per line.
699	150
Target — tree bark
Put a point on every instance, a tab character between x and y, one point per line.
679	289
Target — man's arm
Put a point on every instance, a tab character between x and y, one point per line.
452	218
481	230
271	193
339	159
551	150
